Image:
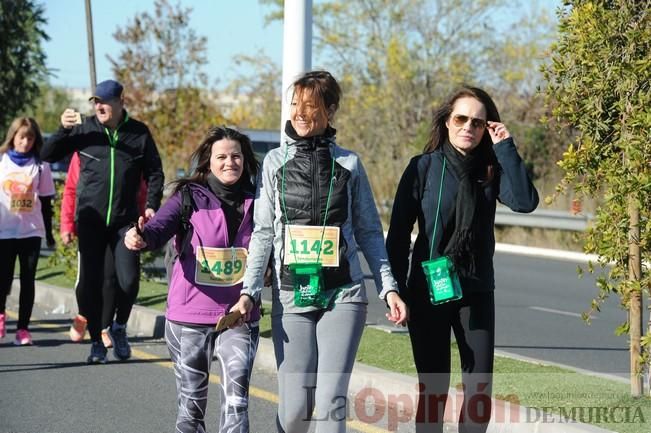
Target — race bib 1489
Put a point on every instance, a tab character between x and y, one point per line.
221	267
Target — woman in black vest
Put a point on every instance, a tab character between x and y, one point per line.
469	162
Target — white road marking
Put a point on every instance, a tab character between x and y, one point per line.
561	312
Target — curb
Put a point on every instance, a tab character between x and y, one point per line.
365	382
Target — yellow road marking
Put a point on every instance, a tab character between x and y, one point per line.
253	391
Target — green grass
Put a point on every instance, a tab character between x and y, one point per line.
528	384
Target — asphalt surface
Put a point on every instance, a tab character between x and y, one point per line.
48	387
538	306
139	395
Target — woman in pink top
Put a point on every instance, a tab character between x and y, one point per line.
26	188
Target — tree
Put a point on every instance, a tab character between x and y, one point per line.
48	107
600	83
161	67
397	59
22	60
256	93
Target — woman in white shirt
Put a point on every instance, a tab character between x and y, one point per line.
26	189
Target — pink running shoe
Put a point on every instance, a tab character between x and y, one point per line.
23	338
78	328
106	339
3	328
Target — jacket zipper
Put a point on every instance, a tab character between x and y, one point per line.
111	186
113	143
316	211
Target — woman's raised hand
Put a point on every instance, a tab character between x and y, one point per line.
133	237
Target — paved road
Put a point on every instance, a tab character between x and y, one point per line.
49	388
539	302
538	314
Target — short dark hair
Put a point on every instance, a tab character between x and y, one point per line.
439	132
18	123
322	85
201	156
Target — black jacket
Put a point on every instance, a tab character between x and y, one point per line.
307	183
416	199
109	177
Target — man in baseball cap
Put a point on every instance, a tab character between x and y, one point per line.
116	152
107	90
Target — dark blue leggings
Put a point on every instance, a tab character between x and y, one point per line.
27	250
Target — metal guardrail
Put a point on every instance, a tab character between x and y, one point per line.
542	218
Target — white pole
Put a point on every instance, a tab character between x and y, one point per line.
297	48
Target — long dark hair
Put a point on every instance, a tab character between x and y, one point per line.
439	132
28	123
201	156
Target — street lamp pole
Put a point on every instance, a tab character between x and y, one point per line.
297	48
91	46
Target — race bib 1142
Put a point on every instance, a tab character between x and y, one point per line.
307	244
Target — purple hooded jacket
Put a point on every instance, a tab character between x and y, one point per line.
187	301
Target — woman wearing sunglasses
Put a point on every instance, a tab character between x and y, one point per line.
469	162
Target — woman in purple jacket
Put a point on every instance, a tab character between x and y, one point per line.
207	278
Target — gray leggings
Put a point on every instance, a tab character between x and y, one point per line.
315	353
191	349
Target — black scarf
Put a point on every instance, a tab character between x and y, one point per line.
469	169
310	142
232	199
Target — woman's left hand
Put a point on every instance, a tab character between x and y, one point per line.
497	131
398	309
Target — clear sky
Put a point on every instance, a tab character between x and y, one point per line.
231	26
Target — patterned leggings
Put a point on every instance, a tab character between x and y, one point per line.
191	349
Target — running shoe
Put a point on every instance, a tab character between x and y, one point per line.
23	338
78	328
106	339
121	348
97	353
3	325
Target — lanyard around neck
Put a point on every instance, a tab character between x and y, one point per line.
325	218
438	208
113	135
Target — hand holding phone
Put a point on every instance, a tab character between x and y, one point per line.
228	320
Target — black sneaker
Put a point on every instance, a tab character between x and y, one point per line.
121	348
97	353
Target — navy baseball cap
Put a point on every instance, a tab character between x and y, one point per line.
107	90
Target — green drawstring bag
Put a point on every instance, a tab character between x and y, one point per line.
308	284
442	280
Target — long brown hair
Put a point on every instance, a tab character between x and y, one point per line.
439	131
201	156
30	124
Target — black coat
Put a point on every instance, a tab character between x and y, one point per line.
109	178
417	198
